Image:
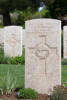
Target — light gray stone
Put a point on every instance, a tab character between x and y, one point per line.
23	37
43	54
13	41
65	41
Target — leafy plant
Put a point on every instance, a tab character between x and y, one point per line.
59	93
8	83
19	60
27	93
12	60
4	59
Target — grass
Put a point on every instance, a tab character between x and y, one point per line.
6	99
16	70
64	73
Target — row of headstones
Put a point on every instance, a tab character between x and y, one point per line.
42	52
11	35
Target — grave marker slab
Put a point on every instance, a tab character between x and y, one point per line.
13	41
65	41
23	37
43	54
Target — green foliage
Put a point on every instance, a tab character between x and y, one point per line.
27	93
29	14
6	5
58	9
1	51
17	71
64	61
22	16
7	83
59	93
18	60
3	59
42	14
48	2
12	60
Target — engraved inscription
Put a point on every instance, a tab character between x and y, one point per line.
42	51
12	41
43	56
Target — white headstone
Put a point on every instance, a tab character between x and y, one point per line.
23	37
43	54
65	41
13	41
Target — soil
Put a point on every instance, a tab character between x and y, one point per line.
13	97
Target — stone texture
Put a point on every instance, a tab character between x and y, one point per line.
43	54
65	41
23	37
1	37
13	41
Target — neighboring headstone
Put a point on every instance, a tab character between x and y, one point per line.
13	41
23	37
1	38
65	41
43	54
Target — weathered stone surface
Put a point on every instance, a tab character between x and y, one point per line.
65	41
43	54
13	41
23	37
1	37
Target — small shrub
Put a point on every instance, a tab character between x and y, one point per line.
27	93
12	60
59	93
19	60
64	61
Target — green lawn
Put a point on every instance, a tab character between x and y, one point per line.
64	73
18	71
6	99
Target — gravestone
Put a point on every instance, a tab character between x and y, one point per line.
65	41
13	41
43	55
23	37
1	37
